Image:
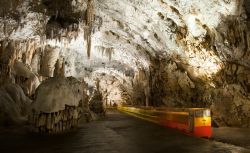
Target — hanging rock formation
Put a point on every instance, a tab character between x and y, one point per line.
187	53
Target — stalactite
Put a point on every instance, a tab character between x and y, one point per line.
52	34
43	39
4	28
59	70
1	47
89	24
62	70
109	53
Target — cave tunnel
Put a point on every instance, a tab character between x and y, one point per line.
127	76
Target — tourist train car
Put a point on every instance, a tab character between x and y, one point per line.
193	121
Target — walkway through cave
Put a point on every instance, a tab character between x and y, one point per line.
117	133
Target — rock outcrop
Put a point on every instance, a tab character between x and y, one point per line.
187	53
58	106
14	105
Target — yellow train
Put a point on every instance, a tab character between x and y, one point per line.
194	121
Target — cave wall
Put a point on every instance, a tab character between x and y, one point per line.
169	53
223	87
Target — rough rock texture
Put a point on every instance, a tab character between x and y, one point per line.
59	104
14	105
96	104
183	53
96	101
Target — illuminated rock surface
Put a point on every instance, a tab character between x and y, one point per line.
59	104
184	53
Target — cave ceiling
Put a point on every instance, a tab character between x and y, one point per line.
131	35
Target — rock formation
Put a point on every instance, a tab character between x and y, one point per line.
96	102
14	105
187	53
59	104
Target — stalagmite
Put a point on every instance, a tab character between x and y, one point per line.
57	106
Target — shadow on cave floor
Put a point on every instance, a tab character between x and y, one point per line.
236	136
117	133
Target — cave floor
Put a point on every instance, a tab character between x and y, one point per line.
236	136
116	133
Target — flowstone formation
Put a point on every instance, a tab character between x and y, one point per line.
58	106
14	105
